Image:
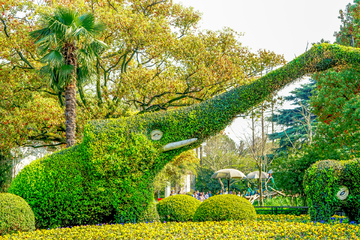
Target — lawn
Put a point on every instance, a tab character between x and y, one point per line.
266	227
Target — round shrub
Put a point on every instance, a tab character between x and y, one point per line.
225	207
15	214
179	208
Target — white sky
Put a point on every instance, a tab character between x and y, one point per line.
282	26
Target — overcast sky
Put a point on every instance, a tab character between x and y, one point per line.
282	26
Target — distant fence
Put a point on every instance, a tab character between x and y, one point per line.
287	210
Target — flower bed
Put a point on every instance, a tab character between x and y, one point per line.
266	227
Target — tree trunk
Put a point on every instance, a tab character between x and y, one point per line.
68	52
70	114
221	184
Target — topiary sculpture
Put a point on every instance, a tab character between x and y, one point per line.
179	208
330	185
225	207
15	214
108	177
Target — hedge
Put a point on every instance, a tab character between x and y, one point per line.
178	208
330	185
225	207
15	214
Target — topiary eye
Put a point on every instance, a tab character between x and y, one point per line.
156	134
343	193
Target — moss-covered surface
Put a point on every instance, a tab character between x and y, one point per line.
108	177
15	214
330	185
178	208
225	207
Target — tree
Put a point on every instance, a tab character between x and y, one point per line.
68	42
157	59
299	121
336	102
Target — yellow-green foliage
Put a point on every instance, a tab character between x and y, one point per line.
323	181
15	214
150	214
179	208
267	227
108	177
225	207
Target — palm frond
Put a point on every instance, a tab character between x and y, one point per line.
57	27
87	21
40	34
65	72
54	57
65	15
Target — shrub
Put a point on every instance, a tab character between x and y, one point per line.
150	214
225	207
179	208
15	214
330	185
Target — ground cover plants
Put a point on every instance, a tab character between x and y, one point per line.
266	227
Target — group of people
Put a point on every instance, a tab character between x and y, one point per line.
201	196
231	192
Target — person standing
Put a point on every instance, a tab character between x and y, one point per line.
201	197
209	193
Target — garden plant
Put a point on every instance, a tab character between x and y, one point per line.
108	177
15	214
178	208
330	185
225	207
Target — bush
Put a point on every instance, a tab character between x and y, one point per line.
150	214
330	185
15	214
225	207
179	208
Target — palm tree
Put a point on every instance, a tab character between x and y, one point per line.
68	45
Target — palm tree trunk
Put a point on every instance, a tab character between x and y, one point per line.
70	95
70	113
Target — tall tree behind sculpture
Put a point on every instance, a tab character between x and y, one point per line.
337	100
68	42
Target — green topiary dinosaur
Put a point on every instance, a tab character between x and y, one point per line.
330	185
108	177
